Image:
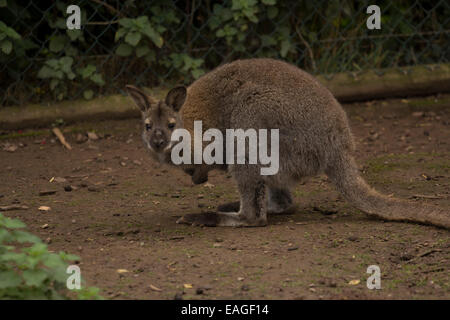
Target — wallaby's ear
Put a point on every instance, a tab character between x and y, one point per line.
175	97
142	100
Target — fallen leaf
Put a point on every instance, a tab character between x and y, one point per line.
354	282
44	208
187	286
240	279
209	185
122	271
155	288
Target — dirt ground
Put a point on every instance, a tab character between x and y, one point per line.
122	208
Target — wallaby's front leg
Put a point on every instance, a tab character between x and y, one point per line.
279	201
252	212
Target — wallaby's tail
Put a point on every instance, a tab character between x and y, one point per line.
345	175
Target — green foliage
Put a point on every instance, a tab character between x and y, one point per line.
32	272
177	41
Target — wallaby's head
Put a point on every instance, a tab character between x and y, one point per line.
159	119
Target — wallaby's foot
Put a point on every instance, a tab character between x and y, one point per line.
229	207
280	201
278	209
220	219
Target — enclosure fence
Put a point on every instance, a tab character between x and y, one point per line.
163	42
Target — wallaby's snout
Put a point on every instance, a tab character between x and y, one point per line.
158	140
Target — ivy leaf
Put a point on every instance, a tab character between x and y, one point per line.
285	46
133	38
97	79
88	94
272	12
11	223
124	50
119	34
57	43
153	35
9	279
6	46
142	51
23	236
34	277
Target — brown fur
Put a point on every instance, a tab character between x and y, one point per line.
315	137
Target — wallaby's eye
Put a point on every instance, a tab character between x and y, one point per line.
171	125
148	126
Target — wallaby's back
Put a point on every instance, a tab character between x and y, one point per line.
314	133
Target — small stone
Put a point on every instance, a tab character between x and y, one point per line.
46	192
245	288
178	296
199	291
68	188
92	136
80	138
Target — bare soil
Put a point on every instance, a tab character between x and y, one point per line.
120	215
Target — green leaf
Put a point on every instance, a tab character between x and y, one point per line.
269	2
74	34
285	46
133	38
23	236
87	71
57	43
6	46
272	12
153	35
126	22
97	79
142	50
53	84
120	33
12	223
124	50
88	94
34	277
3	3
9	279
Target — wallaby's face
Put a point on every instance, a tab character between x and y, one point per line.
159	120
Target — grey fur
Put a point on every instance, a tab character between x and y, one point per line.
314	133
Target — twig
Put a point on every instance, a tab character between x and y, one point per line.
423	254
308	48
109	7
61	138
13	207
102	22
426	197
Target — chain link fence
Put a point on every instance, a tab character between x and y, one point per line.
154	43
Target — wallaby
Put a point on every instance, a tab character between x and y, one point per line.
314	138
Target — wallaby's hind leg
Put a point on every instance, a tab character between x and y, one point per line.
279	202
252	213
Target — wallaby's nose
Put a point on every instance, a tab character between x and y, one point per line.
159	143
158	138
